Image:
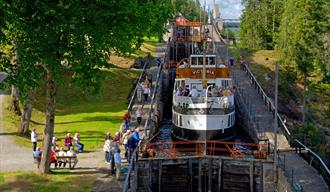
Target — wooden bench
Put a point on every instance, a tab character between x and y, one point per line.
72	160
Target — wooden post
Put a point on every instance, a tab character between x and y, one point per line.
251	176
219	175
199	175
191	175
160	176
210	176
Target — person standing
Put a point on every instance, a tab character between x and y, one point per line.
125	142
34	138
117	159
106	149
139	92
231	61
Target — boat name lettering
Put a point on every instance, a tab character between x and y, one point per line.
198	71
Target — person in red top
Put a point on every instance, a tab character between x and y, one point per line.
53	157
68	141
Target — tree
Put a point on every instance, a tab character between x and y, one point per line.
259	23
74	37
301	38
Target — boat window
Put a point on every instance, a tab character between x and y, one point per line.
229	119
211	61
224	83
180	120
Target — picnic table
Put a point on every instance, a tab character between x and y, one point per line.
71	160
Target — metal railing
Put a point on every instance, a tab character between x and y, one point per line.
267	101
128	185
213	148
146	63
314	159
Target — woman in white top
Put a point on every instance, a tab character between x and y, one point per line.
61	153
34	138
146	91
125	141
77	143
72	153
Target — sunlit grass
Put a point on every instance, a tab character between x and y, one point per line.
30	181
90	115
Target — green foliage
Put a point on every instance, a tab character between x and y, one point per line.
259	23
77	37
190	9
301	37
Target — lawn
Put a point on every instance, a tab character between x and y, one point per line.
78	111
30	181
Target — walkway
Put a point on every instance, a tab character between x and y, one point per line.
306	175
17	158
12	157
105	181
298	169
264	118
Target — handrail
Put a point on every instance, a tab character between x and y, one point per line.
320	165
134	157
286	130
146	63
153	98
268	99
318	157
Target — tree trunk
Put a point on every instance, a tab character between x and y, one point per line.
49	127
27	112
14	105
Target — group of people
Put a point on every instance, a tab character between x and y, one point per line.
111	147
215	91
56	151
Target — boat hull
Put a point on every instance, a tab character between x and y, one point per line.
201	135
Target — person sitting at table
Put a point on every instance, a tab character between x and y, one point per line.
37	156
53	157
61	153
77	143
68	141
72	153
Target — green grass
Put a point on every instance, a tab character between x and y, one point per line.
29	181
90	115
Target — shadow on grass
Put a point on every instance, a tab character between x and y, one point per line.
86	119
76	171
9	133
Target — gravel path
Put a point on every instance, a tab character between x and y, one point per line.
17	158
12	157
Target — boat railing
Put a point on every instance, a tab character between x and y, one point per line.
195	102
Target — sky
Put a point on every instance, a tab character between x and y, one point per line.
229	9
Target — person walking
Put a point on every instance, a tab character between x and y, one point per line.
139	114
34	138
146	91
131	147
